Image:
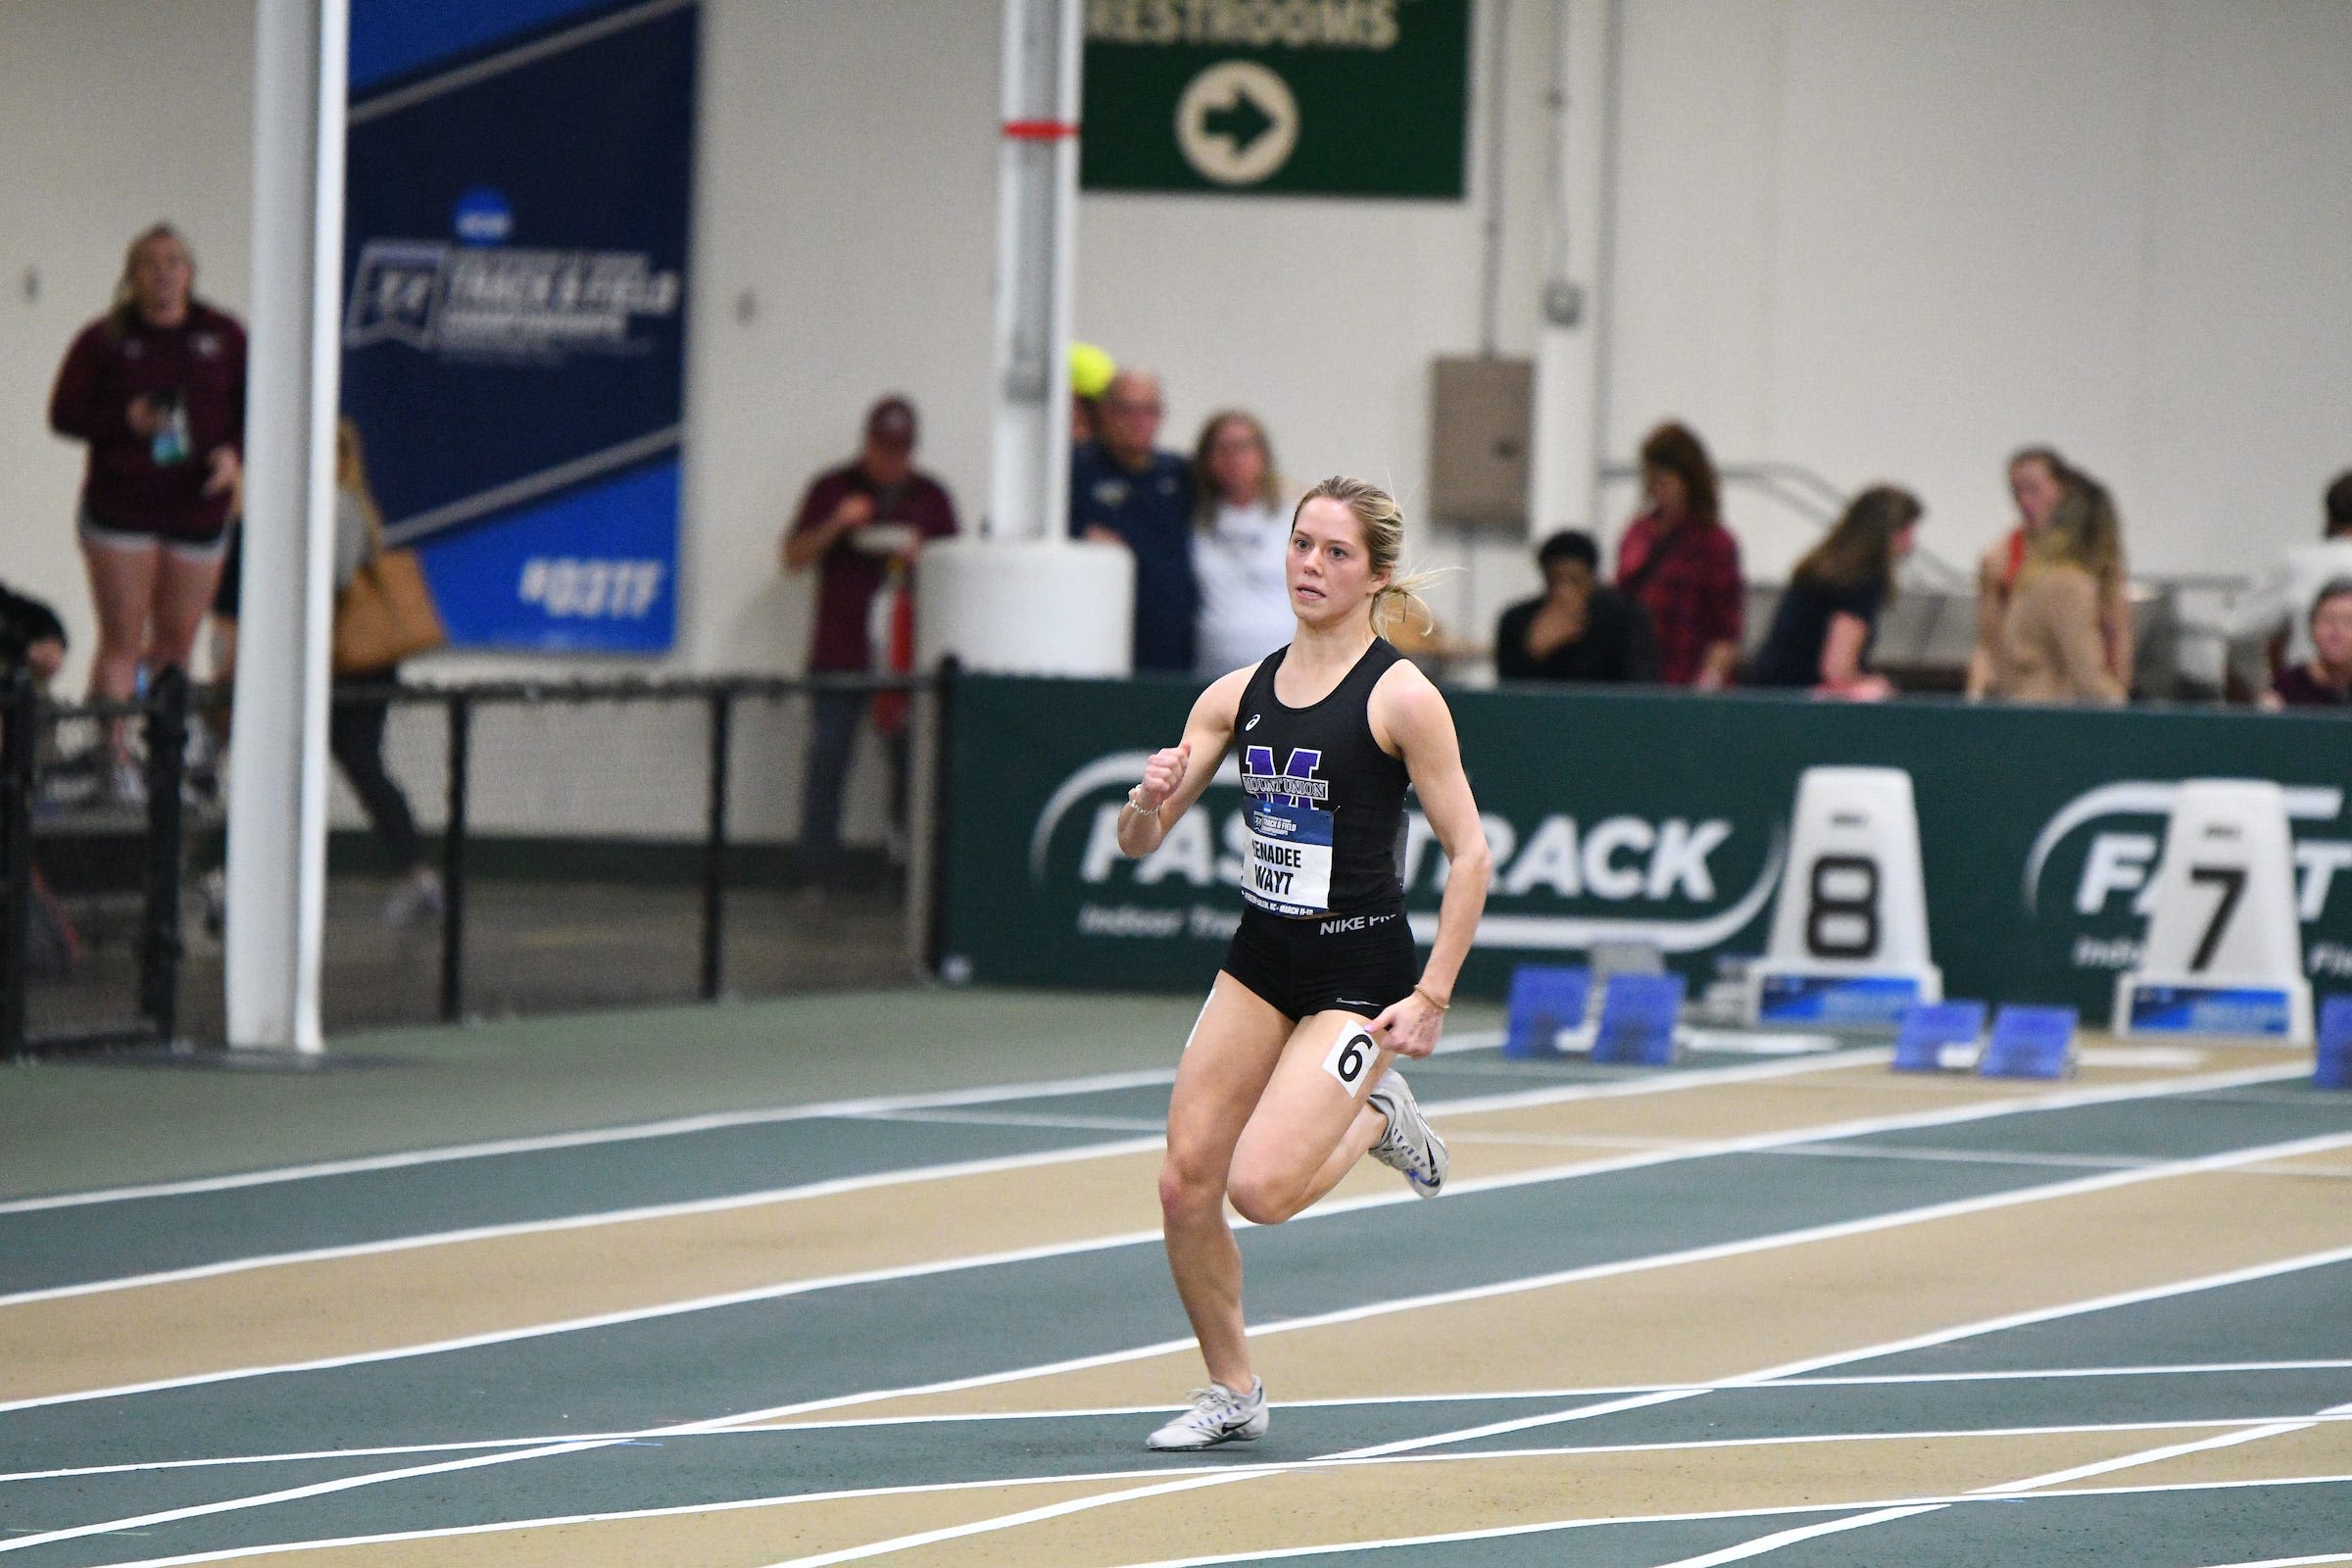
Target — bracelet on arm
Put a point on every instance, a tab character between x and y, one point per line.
1442	1006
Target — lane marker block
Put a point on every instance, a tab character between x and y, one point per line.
1545	1001
1930	1026
1637	1016
2029	1043
2334	1070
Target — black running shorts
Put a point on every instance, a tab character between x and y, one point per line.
1357	963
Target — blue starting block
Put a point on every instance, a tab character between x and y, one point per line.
2334	1070
1637	1016
2029	1043
1929	1026
1545	1001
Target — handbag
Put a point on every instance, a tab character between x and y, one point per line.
385	614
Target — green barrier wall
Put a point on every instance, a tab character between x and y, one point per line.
1648	815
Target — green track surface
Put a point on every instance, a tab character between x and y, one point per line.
64	1128
68	1126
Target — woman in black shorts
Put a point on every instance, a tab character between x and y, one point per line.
1286	1082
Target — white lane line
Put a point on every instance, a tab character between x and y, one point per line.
1560	1094
1783	1511
835	1188
1405	1452
504	1526
1401	1454
2147	1456
318	1489
706	1303
1764	1545
1790	1538
675	1127
2010	1490
1551	1418
1122	1412
1663	1155
1750	1244
1795	1371
2288	1562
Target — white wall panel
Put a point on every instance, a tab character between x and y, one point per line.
1878	239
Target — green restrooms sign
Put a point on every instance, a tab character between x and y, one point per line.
1276	97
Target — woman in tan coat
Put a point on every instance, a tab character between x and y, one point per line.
2054	642
2039	480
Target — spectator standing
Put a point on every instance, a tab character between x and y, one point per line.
2038	480
156	387
2052	648
359	711
1820	633
2285	602
1682	564
2324	679
861	525
1242	534
1578	629
1123	490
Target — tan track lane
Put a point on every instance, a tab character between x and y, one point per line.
1322	1506
1727	1317
2325	1450
306	1310
1341	1505
730	1538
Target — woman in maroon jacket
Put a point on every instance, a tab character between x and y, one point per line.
156	388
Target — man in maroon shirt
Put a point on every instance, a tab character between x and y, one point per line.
861	525
156	389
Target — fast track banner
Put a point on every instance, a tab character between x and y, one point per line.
1652	816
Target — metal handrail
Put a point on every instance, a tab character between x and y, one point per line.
167	709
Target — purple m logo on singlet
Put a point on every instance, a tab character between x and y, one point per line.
1257	763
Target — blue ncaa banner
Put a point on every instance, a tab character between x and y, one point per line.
516	235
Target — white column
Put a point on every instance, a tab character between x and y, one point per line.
1037	249
1571	342
277	779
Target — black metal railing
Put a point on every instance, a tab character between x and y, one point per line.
163	993
151	838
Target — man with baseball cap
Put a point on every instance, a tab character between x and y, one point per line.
861	525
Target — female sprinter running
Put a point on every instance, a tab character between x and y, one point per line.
1285	1083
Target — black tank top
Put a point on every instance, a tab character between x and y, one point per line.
1326	804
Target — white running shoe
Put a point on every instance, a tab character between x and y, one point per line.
1218	1415
1410	1144
416	899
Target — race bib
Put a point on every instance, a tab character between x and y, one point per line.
1290	832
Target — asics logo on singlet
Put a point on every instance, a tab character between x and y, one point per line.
1295	785
1252	724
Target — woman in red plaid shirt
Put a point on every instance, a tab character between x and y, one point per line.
1682	564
